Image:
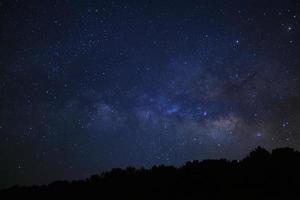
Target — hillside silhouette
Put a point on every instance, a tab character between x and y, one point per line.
261	174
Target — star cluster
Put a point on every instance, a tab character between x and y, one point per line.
86	86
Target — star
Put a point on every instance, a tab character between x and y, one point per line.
285	124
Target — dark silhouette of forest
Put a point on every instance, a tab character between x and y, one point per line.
261	174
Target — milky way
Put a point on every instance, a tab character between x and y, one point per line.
86	86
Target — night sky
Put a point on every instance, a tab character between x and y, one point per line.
86	86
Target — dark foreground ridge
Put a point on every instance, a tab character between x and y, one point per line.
261	174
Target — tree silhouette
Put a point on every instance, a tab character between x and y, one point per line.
260	174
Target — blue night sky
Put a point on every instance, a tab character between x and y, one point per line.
86	86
